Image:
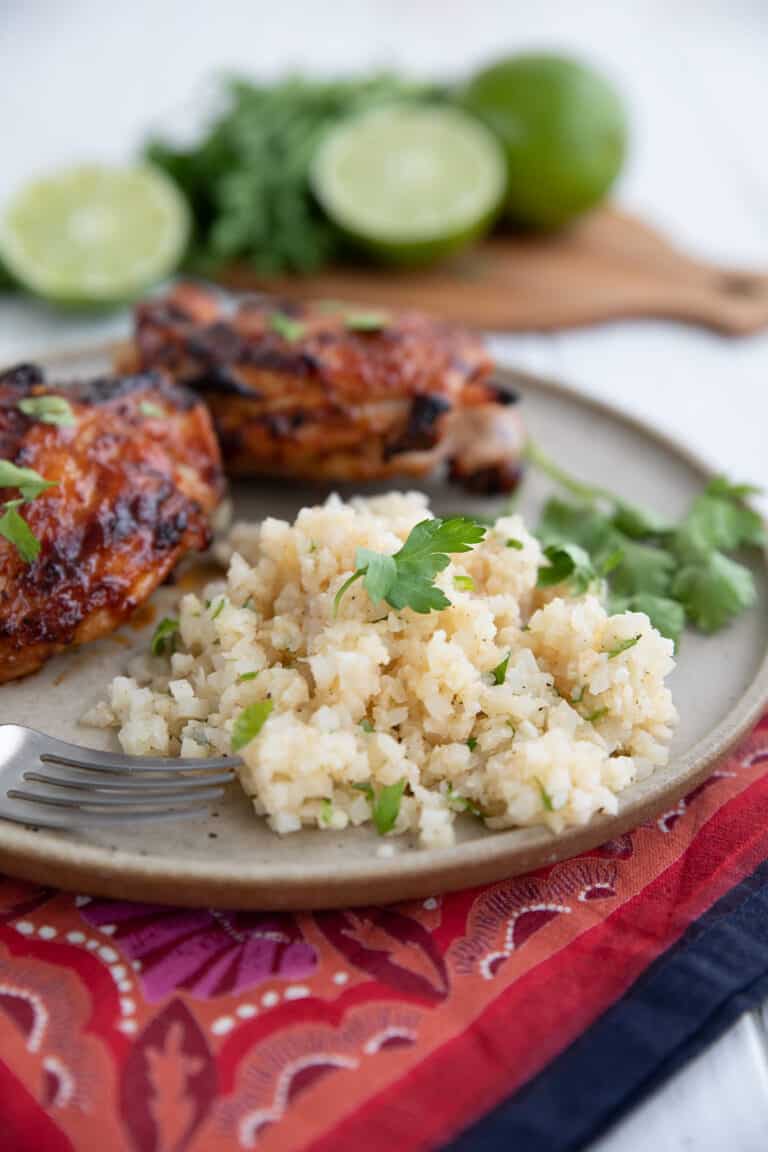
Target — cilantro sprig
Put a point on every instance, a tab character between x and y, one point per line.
407	579
13	527
385	804
675	573
49	410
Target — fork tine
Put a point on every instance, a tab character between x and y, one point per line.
96	803
88	758
73	821
171	786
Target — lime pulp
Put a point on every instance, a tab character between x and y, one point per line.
410	183
94	235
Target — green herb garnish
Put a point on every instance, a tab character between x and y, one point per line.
516	544
567	563
472	743
15	529
366	725
714	591
461	803
499	673
219	608
153	411
366	321
622	646
672	573
326	811
407	578
285	326
247	175
49	410
249	723
593	717
163	635
29	482
546	799
245	676
387	806
464	583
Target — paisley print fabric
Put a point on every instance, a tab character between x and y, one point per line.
142	1028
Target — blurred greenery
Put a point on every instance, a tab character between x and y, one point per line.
247	180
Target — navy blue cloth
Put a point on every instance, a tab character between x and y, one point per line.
686	999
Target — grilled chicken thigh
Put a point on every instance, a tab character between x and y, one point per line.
328	394
137	473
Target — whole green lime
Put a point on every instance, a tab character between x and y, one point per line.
564	131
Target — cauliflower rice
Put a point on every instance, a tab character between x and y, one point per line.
377	696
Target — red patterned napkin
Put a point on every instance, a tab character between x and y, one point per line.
137	1028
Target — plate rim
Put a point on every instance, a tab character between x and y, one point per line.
118	873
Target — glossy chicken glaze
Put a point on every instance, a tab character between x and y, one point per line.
295	390
137	478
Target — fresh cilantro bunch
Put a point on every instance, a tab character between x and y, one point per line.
407	579
675	573
247	179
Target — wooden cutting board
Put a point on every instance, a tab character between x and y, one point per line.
609	266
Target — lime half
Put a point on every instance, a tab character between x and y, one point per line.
94	235
410	183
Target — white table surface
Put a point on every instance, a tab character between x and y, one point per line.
85	80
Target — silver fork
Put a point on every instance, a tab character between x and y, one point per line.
51	784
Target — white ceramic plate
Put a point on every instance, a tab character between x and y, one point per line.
232	859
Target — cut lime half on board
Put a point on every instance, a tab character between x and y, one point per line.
410	183
94	235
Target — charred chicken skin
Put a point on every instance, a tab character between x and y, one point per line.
328	394
136	470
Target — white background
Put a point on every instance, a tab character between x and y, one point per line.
86	80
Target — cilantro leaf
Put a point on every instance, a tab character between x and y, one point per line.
714	590
366	321
244	677
48	410
290	329
564	523
499	673
719	519
163	635
29	482
15	529
666	615
407	578
546	799
151	411
472	743
643	568
464	583
567	562
637	521
249	723
219	608
461	803
386	807
326	811
516	544
622	646
380	572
